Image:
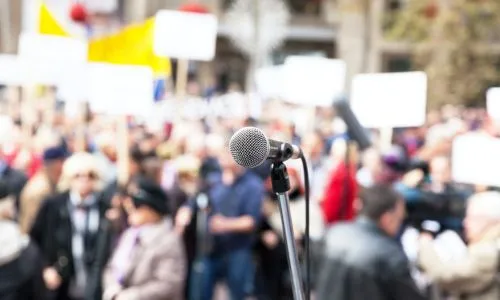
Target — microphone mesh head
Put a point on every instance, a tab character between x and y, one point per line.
249	147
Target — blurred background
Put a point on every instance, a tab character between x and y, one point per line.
115	118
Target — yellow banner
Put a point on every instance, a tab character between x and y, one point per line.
47	23
131	46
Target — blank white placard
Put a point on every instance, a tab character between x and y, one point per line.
493	102
476	159
185	35
47	59
269	81
51	47
388	100
10	70
120	89
313	81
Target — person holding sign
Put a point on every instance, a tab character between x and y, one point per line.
474	276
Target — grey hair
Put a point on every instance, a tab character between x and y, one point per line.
77	163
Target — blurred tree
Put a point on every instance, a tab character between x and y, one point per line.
454	42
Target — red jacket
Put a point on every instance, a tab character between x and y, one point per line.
334	209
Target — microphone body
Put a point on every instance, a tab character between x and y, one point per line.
250	147
282	151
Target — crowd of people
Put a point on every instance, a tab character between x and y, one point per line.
189	218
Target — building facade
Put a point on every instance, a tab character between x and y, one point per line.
347	29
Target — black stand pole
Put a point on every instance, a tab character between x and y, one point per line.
281	185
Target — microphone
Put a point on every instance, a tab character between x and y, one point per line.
250	147
354	128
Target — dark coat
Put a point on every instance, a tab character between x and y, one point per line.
15	180
21	279
52	231
361	262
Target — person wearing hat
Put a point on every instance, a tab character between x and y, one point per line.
41	186
149	261
20	261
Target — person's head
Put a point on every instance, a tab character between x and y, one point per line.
53	161
227	163
146	202
440	169
483	212
188	167
81	174
152	168
385	207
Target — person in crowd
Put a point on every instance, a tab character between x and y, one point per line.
313	148
210	169
338	202
167	152
235	204
475	275
105	143
363	260
15	179
152	168
136	160
186	187
20	260
418	188
297	209
273	264
69	230
41	186
149	262
371	168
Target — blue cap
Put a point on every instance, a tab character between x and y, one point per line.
54	153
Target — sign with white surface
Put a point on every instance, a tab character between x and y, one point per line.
269	81
493	102
47	59
389	100
185	35
476	159
313	81
10	70
120	89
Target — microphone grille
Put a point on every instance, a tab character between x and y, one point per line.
249	147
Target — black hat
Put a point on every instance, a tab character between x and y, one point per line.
149	193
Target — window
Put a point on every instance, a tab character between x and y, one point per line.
299	7
398	63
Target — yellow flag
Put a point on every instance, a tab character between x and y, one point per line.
47	24
131	46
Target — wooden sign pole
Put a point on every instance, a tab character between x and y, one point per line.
182	78
123	159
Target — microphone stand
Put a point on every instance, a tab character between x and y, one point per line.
281	185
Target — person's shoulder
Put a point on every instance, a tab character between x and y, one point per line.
362	246
169	241
56	199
